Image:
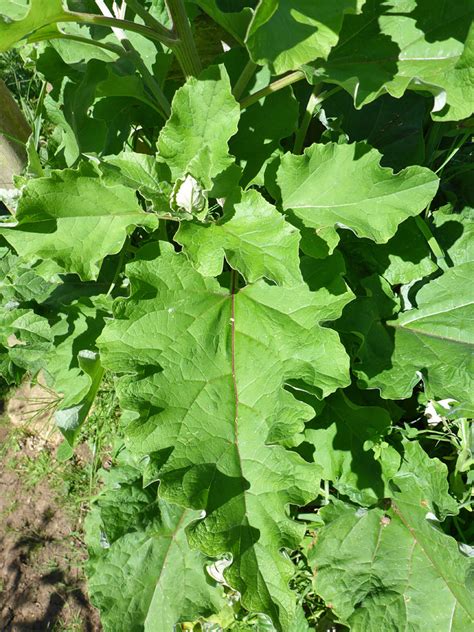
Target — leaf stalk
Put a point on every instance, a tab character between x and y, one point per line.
279	84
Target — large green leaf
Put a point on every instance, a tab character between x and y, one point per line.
74	218
205	388
418	44
95	104
288	33
146	579
344	185
203	118
393	569
255	238
433	341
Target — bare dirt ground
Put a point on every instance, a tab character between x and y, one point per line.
41	552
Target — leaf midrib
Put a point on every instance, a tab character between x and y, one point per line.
412	532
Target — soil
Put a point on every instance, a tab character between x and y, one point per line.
42	583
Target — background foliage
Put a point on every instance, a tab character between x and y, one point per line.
256	218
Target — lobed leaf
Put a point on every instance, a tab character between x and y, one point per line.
146	579
205	388
393	569
433	341
345	437
255	238
204	116
344	185
74	218
424	45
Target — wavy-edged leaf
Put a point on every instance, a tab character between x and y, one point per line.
288	33
205	392
405	258
397	569
253	235
74	218
146	578
345	185
204	115
424	45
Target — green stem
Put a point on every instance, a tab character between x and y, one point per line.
279	84
148	19
432	243
242	82
454	150
119	267
150	81
164	108
315	99
163	35
184	46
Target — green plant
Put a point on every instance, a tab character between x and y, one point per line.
266	242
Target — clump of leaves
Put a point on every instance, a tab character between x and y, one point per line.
271	255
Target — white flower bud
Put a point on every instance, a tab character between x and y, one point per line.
188	195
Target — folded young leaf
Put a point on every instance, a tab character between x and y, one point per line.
253	235
204	116
70	417
74	218
206	391
345	185
398	570
288	33
141	173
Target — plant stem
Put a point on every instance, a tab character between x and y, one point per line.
315	99
432	243
279	84
242	82
306	120
148	78
184	46
454	150
148	19
164	36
